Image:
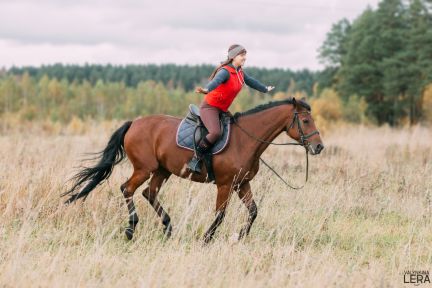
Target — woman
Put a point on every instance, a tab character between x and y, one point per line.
226	82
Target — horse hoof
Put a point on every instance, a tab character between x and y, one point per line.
167	231
207	239
242	234
129	233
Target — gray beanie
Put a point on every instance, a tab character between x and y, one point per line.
234	52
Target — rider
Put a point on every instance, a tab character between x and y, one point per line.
226	82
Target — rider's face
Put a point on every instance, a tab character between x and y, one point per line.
239	60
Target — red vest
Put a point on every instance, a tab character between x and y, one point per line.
223	95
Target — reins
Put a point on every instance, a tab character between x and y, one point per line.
303	143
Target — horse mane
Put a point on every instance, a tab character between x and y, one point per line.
272	104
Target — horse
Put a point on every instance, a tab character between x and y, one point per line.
150	145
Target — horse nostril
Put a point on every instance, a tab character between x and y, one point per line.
320	147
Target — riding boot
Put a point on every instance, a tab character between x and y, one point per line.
195	163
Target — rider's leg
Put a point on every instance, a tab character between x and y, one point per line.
210	118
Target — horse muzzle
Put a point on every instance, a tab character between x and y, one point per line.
315	149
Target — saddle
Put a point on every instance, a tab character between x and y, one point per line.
192	129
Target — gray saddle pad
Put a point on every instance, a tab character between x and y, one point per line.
185	137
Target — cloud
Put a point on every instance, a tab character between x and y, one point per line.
276	33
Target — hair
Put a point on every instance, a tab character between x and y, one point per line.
226	62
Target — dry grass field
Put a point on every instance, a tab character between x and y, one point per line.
363	218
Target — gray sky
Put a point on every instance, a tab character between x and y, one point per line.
276	33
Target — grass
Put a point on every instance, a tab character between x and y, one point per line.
363	218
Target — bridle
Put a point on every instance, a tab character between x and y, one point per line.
303	137
302	142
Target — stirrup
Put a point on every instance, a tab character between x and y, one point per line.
196	162
195	165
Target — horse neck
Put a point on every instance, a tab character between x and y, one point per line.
265	125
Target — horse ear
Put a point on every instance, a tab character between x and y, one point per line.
294	102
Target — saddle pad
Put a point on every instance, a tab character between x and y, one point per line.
185	137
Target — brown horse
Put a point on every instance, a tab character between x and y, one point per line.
150	144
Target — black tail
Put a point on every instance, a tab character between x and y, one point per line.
112	154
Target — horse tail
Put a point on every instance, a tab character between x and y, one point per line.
112	154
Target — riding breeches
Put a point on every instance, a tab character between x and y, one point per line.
210	118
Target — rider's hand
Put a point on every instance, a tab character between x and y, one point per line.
270	88
201	90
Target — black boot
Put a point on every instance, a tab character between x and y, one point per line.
195	163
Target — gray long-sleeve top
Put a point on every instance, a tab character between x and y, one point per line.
223	75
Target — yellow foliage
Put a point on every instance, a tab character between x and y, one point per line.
28	112
328	106
51	128
76	126
9	121
279	96
327	110
300	95
427	103
355	110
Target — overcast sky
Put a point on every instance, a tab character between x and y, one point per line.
276	33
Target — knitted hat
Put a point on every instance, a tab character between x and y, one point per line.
235	51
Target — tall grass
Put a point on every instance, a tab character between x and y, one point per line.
362	220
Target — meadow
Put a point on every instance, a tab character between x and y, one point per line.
363	218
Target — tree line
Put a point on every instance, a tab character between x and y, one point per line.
385	56
29	98
171	75
377	67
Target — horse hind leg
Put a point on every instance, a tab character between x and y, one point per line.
128	189
150	193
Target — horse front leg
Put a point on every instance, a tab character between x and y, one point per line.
245	194
222	200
